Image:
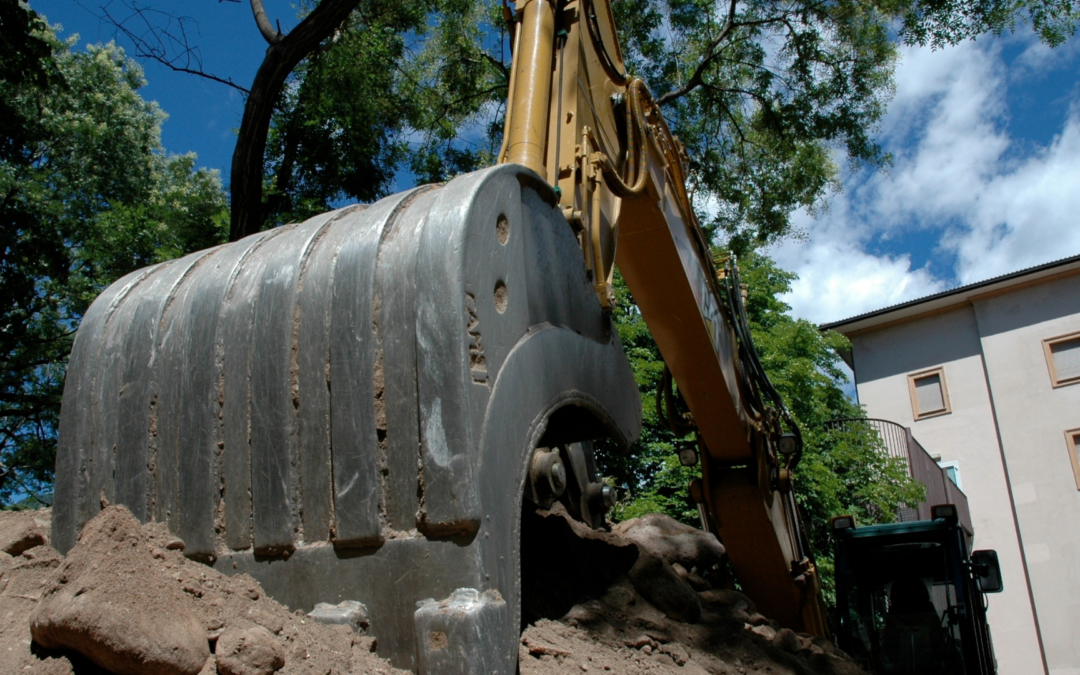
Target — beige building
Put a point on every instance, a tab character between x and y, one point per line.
988	377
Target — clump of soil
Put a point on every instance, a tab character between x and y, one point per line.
89	605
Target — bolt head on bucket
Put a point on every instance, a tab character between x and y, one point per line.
601	497
547	477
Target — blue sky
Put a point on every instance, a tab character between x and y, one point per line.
203	115
985	181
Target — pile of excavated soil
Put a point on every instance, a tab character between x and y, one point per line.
622	633
126	600
662	616
126	597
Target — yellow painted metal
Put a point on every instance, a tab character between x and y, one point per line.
578	120
530	107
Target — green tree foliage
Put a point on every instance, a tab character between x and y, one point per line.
25	59
649	477
841	472
86	195
944	22
762	93
404	87
337	129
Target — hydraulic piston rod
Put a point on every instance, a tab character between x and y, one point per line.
532	89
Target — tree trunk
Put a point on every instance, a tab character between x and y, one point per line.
281	58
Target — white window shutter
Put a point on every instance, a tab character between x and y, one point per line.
1066	359
929	395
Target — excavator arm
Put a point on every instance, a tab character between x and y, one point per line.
356	407
595	133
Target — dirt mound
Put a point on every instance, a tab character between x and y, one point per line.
136	581
118	561
623	633
23	530
662	616
91	606
676	543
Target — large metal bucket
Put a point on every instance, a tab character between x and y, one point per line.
346	408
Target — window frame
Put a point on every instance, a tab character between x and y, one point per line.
916	412
953	464
1072	443
1048	344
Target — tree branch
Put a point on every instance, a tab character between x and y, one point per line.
209	76
157	43
695	80
248	212
272	36
497	63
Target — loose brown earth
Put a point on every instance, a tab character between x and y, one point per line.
138	583
126	597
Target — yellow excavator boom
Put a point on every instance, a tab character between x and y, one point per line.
577	118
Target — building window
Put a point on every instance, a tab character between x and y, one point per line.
1063	359
929	395
1072	441
952	470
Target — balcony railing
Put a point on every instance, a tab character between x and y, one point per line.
940	489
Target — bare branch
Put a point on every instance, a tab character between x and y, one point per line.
209	76
272	36
165	39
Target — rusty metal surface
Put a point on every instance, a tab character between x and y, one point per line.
346	408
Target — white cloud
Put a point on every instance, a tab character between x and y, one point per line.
1037	57
838	279
959	182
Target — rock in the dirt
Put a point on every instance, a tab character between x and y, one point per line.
175	544
22	533
765	631
109	602
696	582
757	619
658	583
722	597
669	539
346	613
787	640
678	653
254	651
641	641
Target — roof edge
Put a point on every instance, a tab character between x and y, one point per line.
954	296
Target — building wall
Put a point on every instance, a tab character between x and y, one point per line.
1033	417
967	435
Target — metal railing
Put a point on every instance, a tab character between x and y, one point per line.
940	489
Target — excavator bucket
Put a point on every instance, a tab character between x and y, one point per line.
347	408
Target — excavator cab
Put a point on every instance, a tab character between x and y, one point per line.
910	597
